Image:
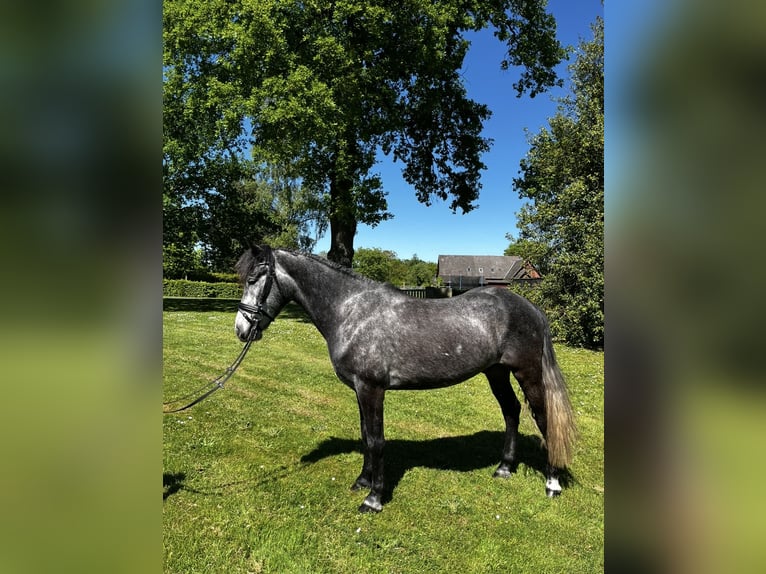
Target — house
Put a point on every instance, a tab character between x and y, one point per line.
468	271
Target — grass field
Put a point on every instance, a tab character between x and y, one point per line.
257	477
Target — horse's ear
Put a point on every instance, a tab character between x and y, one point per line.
246	243
261	253
258	251
255	249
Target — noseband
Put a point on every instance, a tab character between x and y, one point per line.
254	313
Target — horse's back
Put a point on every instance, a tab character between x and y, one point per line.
403	342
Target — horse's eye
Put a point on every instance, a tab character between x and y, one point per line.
251	280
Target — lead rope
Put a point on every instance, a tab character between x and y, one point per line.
218	383
212	386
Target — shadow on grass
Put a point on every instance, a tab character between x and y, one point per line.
206	304
172	483
460	453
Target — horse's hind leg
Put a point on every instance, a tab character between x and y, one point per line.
531	382
499	378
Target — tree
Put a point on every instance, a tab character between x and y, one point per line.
535	252
375	263
318	88
418	272
384	265
179	238
563	177
267	209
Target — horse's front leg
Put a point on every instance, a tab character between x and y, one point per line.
370	400
364	480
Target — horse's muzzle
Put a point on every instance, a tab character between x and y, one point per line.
252	331
246	329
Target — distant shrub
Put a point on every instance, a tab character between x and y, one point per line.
203	275
187	288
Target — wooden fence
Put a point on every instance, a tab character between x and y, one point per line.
431	292
416	292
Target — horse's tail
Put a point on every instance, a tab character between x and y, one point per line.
561	430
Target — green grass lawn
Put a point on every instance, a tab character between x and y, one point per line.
256	478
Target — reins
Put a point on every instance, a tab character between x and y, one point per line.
252	313
212	386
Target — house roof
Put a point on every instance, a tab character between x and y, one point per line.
491	267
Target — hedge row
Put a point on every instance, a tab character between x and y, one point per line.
205	276
186	288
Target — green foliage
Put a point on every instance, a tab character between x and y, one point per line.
210	277
375	263
211	231
268	209
187	288
562	228
531	251
383	265
418	272
178	259
317	89
179	237
257	477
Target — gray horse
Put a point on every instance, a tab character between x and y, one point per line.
380	339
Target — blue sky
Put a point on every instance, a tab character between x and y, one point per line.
433	231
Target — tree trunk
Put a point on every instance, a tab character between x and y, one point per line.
342	221
342	231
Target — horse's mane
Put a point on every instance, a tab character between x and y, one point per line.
337	267
244	265
248	260
332	265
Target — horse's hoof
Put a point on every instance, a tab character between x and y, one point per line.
360	484
502	472
367	509
552	487
371	504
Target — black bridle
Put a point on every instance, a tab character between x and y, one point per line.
253	315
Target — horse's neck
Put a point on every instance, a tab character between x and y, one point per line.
319	289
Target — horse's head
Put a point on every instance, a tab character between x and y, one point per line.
261	299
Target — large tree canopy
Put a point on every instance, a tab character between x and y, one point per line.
319	88
562	227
